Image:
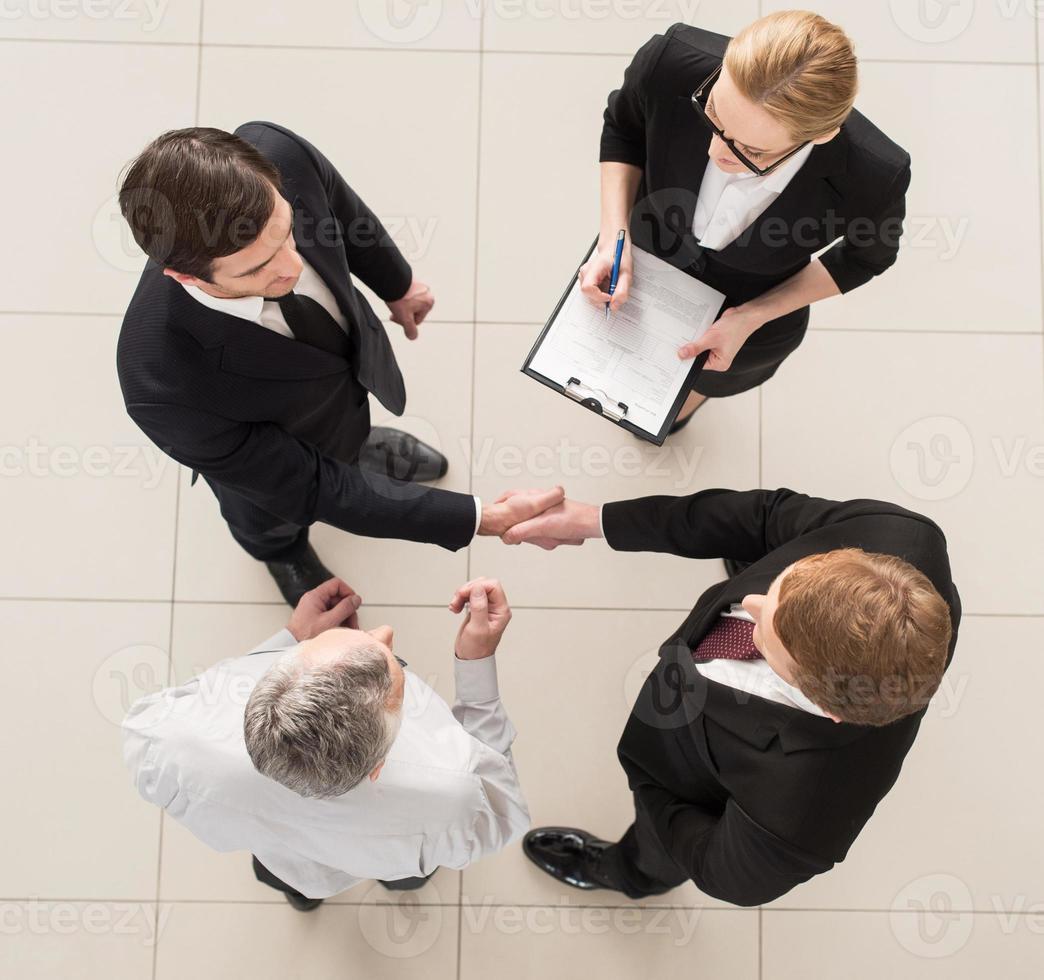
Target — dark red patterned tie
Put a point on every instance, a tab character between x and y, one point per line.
730	639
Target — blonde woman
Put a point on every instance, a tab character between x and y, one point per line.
738	160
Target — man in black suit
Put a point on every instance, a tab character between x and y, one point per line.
781	710
248	354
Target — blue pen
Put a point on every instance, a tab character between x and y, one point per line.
616	267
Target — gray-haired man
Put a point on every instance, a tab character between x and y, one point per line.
328	761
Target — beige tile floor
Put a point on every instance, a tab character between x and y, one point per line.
472	127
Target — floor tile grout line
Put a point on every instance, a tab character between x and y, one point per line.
1040	179
473	51
174	553
474	282
796	910
761	943
474	362
536	326
437	605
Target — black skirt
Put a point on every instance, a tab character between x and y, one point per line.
758	359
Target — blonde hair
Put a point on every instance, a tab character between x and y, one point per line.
797	66
868	634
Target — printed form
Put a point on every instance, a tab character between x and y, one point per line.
633	356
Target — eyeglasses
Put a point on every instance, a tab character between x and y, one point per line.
699	103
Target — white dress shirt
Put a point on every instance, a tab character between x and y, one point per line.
266	313
756	676
752	676
729	203
447	795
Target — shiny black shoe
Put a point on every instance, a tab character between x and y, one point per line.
570	855
401	456
733	567
302	904
299	575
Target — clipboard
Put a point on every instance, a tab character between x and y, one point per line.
597	399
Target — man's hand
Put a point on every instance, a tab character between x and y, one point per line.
596	274
517	506
487	618
331	604
569	522
723	339
410	311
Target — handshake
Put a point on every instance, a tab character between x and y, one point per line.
541	517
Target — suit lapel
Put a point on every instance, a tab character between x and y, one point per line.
247	348
750	717
678	178
320	242
810	197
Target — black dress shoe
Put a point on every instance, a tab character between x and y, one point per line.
298	576
570	855
401	456
301	903
733	567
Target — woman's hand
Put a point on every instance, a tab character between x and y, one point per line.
596	274
723	339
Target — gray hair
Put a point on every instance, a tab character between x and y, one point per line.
321	730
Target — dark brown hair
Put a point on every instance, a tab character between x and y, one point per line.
195	195
868	634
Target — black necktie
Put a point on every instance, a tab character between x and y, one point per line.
311	324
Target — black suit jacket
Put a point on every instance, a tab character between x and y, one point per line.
750	796
853	187
262	414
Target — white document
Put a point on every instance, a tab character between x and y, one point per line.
632	357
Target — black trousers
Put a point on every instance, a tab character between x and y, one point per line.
267	537
639	864
267	878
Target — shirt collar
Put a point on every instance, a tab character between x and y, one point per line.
781	176
247	307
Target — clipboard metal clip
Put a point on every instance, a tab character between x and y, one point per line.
605	405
